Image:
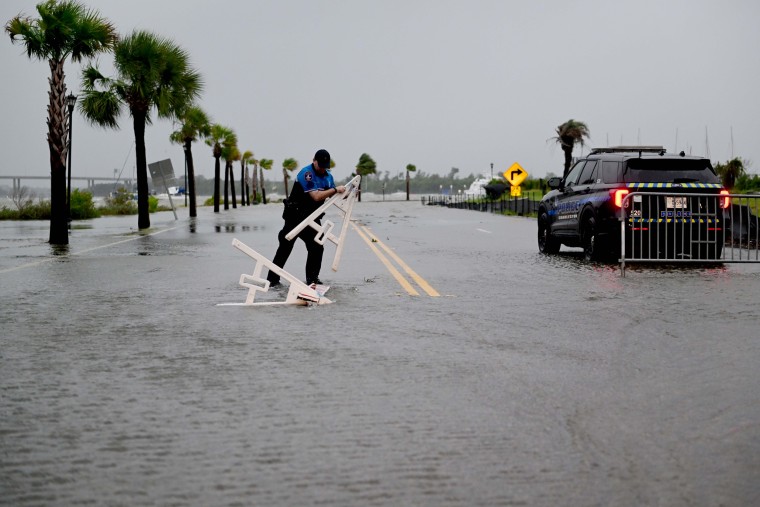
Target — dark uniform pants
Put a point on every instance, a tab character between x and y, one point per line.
314	251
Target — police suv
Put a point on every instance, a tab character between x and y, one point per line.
672	206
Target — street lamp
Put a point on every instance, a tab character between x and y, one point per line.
184	149
71	101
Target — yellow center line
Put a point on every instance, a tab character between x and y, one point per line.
393	271
417	278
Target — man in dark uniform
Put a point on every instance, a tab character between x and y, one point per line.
312	186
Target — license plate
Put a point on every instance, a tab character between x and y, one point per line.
675	202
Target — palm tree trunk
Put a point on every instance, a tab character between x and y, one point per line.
263	190
216	183
226	185
255	183
143	208
407	185
568	160
232	185
190	177
242	183
285	180
57	144
567	148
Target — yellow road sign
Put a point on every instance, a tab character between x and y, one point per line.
515	191
515	174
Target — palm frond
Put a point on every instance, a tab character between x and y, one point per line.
63	29
194	124
101	108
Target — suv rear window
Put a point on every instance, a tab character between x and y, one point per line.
640	170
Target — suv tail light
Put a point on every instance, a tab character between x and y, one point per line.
725	200
618	195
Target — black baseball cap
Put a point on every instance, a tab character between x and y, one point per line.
323	159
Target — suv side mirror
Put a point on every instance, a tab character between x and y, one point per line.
554	183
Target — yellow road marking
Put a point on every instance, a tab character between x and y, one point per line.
417	278
370	239
393	271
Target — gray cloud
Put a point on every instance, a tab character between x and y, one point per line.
439	84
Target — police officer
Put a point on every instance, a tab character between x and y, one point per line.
312	186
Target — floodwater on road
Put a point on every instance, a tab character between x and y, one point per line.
528	380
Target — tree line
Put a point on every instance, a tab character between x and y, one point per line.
379	182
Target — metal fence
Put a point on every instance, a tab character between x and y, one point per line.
520	206
689	228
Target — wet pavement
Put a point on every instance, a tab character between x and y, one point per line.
530	380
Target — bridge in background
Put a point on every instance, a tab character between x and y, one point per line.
127	182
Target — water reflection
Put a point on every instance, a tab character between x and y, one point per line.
59	250
684	269
80	226
234	228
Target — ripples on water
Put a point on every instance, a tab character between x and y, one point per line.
531	380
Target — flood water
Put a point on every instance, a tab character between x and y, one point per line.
529	380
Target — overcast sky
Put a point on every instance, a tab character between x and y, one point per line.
435	83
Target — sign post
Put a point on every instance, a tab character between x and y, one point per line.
159	172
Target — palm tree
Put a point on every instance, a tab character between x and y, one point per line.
151	73
365	166
64	30
266	165
246	157
217	137
410	168
730	172
569	134
288	165
194	125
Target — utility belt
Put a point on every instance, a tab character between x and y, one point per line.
292	210
295	211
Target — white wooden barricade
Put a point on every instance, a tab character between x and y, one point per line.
298	292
